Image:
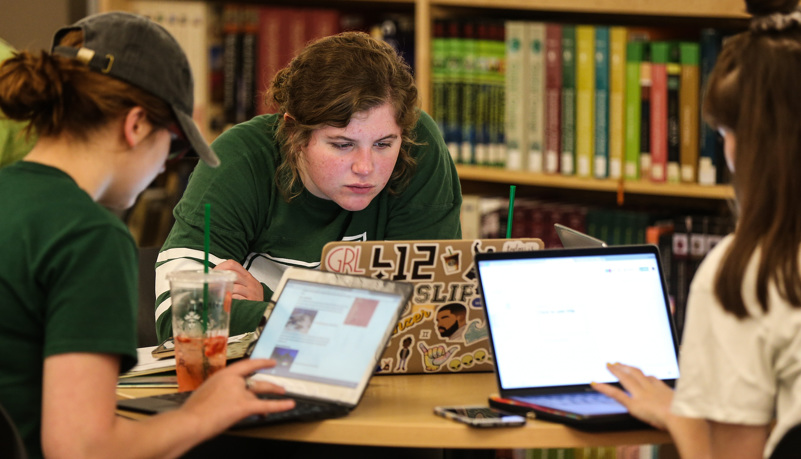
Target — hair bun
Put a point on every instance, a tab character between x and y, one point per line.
766	7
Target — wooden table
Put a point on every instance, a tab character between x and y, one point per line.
397	411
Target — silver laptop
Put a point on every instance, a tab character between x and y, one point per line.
557	317
573	239
327	332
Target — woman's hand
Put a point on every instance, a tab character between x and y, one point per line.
246	287
226	397
646	397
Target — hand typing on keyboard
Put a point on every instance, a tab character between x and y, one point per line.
646	397
225	398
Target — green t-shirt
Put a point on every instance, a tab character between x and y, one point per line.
252	223
14	144
67	283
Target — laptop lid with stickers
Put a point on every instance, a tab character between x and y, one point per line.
443	328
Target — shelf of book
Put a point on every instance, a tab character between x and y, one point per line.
678	8
640	187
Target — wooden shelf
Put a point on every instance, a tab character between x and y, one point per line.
719	9
497	175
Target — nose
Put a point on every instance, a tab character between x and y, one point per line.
362	161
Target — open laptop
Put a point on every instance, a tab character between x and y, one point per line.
572	239
442	329
327	332
557	317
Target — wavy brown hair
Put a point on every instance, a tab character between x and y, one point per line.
326	84
62	96
754	90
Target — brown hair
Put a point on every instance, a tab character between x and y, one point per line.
63	96
754	91
326	84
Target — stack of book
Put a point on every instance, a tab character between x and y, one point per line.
584	100
468	89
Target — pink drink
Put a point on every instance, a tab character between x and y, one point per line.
197	358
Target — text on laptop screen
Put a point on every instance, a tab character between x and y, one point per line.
559	321
316	331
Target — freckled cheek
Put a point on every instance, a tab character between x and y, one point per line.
384	167
329	171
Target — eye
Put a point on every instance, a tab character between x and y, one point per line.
383	145
341	146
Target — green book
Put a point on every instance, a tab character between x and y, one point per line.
600	166
568	163
439	50
634	51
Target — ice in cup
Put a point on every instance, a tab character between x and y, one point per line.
201	311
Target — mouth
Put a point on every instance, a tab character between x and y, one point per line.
360	189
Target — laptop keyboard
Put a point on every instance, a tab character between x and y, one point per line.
589	398
304	410
589	403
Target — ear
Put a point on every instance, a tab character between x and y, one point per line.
288	117
136	126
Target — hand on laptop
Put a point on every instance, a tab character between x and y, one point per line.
646	397
226	398
246	287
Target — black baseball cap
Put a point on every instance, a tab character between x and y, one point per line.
136	50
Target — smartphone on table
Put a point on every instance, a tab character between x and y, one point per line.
480	416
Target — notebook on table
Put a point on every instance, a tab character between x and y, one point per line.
326	331
557	317
442	329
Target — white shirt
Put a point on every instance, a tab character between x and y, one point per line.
739	371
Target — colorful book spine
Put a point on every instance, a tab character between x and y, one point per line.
673	123
659	111
585	99
515	107
645	112
709	144
246	84
269	57
535	96
553	97
232	60
498	113
631	167
617	99
568	163
484	93
600	167
438	71
689	96
323	22
469	83
453	131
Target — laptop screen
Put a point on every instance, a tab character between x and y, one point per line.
326	338
557	317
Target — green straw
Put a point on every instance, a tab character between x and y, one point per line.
511	208
206	237
206	231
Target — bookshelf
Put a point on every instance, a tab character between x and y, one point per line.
708	13
481	178
639	187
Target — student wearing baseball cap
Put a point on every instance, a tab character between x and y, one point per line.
110	103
